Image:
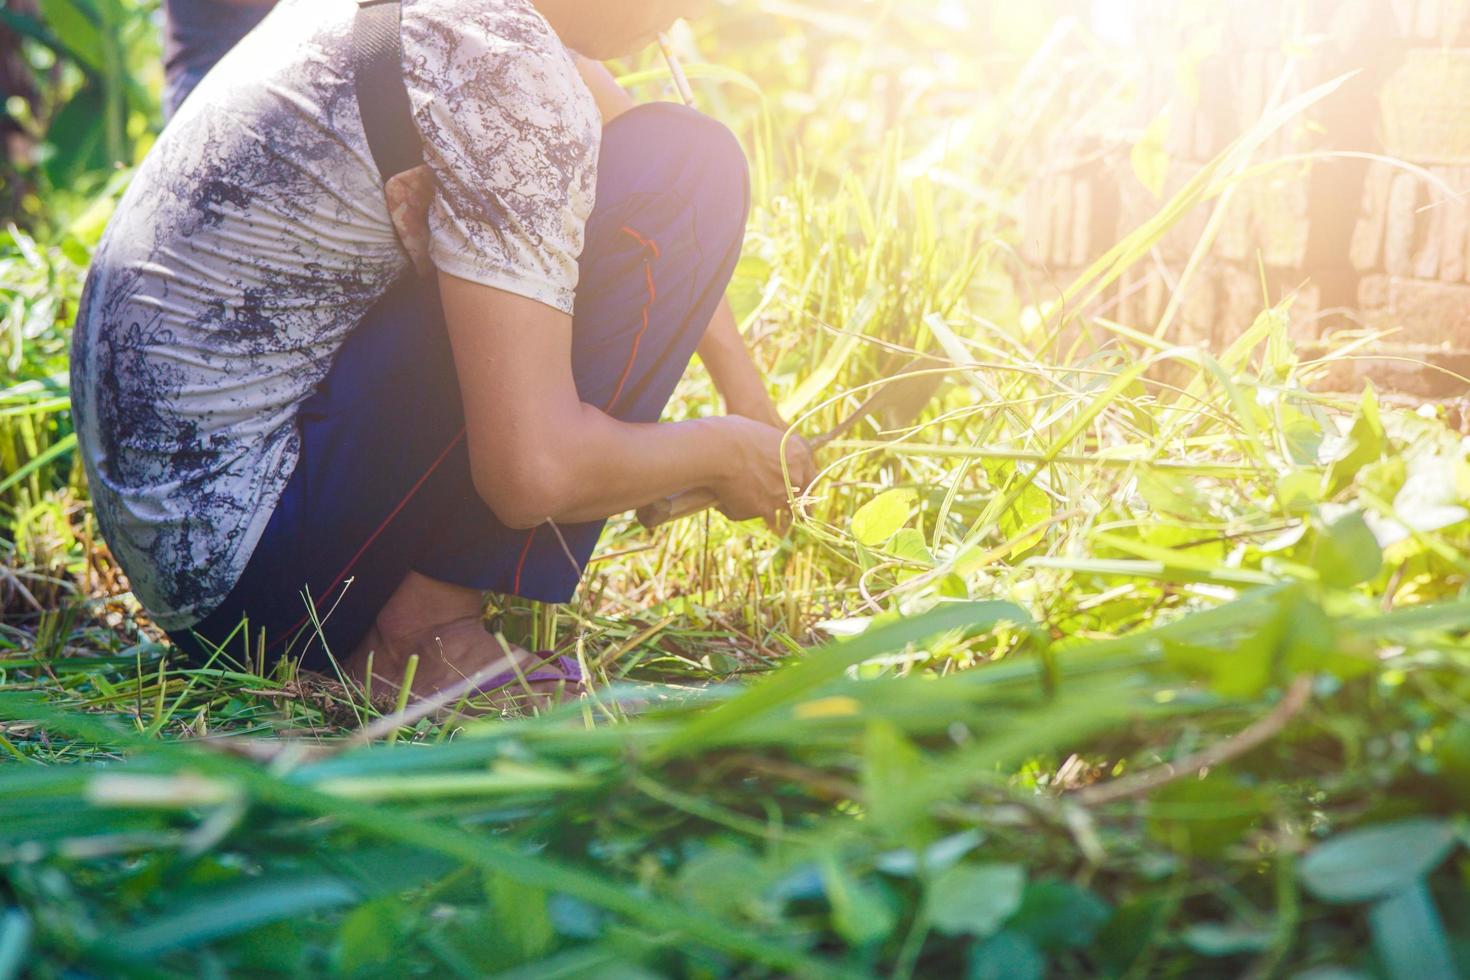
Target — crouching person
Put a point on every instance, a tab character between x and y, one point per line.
282	424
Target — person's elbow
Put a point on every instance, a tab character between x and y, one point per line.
526	491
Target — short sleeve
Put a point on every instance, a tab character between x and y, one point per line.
511	134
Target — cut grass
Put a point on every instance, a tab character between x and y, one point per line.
1111	562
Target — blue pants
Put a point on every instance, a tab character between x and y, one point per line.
383	486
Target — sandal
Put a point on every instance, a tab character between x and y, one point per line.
553	669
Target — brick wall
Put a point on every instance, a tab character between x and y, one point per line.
1363	245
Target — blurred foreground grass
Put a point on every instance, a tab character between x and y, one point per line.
1124	660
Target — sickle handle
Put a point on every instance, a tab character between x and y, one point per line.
673	508
691	502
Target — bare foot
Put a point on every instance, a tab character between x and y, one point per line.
442	625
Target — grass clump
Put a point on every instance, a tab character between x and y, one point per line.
1122	659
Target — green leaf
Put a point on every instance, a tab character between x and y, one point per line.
1346	552
1026	521
1383	478
1149	157
76	30
522	921
1204	817
1452	752
891	767
368	935
279	949
1239	665
574	918
748	285
1242	670
909	544
15	943
1427	500
1168	493
724	881
1409	938
76	136
954	587
1298	491
1302	436
859	913
880	518
1133	930
1365	444
975	899
1315	644
1060	915
1006	956
1376	862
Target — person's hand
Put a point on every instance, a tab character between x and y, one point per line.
757	486
410	195
758	407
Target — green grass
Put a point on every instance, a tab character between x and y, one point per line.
1123	660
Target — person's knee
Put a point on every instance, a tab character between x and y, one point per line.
678	149
716	159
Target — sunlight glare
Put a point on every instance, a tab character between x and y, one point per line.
1113	21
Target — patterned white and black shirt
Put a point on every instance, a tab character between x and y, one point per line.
256	235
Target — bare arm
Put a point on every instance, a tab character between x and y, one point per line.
723	350
538	453
727	358
612	99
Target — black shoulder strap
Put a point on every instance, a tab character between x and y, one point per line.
382	98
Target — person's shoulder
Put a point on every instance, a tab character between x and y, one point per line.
472	52
508	28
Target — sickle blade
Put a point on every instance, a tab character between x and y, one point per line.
898	402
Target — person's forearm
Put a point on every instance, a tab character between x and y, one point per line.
739	382
611	467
